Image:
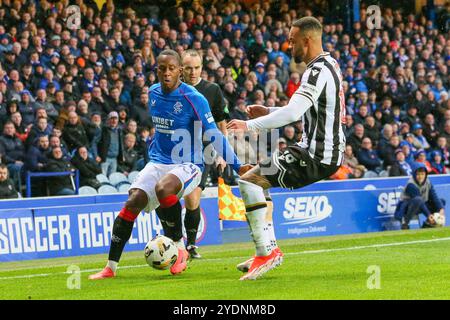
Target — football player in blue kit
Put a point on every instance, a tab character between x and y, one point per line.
181	116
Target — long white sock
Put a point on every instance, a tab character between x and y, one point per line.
269	223
256	207
113	265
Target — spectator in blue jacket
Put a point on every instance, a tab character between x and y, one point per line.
419	197
36	159
369	157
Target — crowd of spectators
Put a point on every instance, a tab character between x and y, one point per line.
78	98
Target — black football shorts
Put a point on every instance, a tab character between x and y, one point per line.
294	169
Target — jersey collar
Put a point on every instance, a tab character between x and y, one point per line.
317	58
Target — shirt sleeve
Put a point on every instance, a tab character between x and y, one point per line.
312	83
218	109
213	134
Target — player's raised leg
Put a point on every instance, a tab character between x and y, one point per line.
122	228
245	266
252	186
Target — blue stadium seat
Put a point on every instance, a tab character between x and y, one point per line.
107	189
87	190
124	187
132	176
116	178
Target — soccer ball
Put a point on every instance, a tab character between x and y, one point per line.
161	253
440	219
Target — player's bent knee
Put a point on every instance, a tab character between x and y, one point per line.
137	201
169	185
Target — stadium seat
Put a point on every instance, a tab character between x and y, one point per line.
87	190
132	176
370	174
116	178
102	179
384	174
124	187
105	189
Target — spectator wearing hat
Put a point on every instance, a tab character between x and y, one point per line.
411	116
437	164
27	77
10	62
123	116
110	147
421	157
240	111
27	107
260	73
400	167
417	129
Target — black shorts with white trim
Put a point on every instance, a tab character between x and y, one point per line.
294	169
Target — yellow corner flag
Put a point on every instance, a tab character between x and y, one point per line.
230	206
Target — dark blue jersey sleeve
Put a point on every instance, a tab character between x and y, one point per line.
434	198
212	133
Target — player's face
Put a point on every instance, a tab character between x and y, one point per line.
169	71
297	45
192	69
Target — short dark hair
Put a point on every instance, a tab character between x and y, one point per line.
172	53
306	24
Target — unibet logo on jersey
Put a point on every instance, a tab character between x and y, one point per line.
306	210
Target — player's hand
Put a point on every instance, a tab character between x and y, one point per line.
256	111
244	168
237	125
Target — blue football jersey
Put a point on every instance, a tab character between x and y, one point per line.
181	117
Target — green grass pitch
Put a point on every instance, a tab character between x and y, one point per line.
412	264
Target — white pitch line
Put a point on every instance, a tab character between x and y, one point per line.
381	245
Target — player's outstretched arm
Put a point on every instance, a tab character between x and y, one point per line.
297	106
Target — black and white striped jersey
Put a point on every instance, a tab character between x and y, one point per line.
323	123
320	103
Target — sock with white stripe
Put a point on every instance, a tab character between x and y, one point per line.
256	207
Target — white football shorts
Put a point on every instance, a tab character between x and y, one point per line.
188	173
